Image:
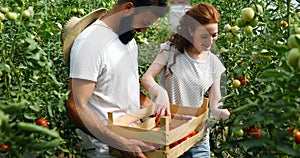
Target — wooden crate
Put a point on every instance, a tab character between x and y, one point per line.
161	135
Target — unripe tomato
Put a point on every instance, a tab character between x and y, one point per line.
1	25
294	41
74	10
226	131
12	16
257	8
81	11
253	22
26	14
236	83
240	22
248	30
234	29
293	57
4	9
2	16
238	133
297	29
227	27
229	35
247	14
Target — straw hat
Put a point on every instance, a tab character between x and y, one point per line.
73	28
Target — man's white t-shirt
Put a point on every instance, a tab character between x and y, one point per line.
98	55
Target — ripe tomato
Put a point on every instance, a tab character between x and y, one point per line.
193	133
297	137
183	139
255	132
174	144
43	122
243	82
4	146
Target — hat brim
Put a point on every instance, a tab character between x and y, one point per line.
76	29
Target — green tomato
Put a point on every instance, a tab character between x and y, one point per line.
297	29
229	35
12	16
240	22
248	30
294	41
30	9
226	131
227	27
294	57
234	29
74	10
4	9
81	11
257	8
247	14
2	16
238	133
26	14
1	26
253	22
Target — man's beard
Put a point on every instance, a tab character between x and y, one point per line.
126	32
127	36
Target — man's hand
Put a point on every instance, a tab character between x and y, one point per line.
134	149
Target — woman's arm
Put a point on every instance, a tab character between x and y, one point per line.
214	99
162	107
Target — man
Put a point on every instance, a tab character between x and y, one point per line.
104	73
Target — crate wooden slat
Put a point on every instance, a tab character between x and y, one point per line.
129	126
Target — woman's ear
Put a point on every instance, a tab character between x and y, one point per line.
191	32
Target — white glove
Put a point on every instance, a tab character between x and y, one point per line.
162	103
221	113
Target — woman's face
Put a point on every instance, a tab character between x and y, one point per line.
204	36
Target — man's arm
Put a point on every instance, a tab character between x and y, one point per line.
72	112
87	120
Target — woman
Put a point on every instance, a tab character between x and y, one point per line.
189	69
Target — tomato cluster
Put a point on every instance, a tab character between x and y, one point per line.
43	122
183	139
240	81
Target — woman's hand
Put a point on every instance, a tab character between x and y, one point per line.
162	105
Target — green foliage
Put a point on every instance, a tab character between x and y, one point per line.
270	100
33	77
